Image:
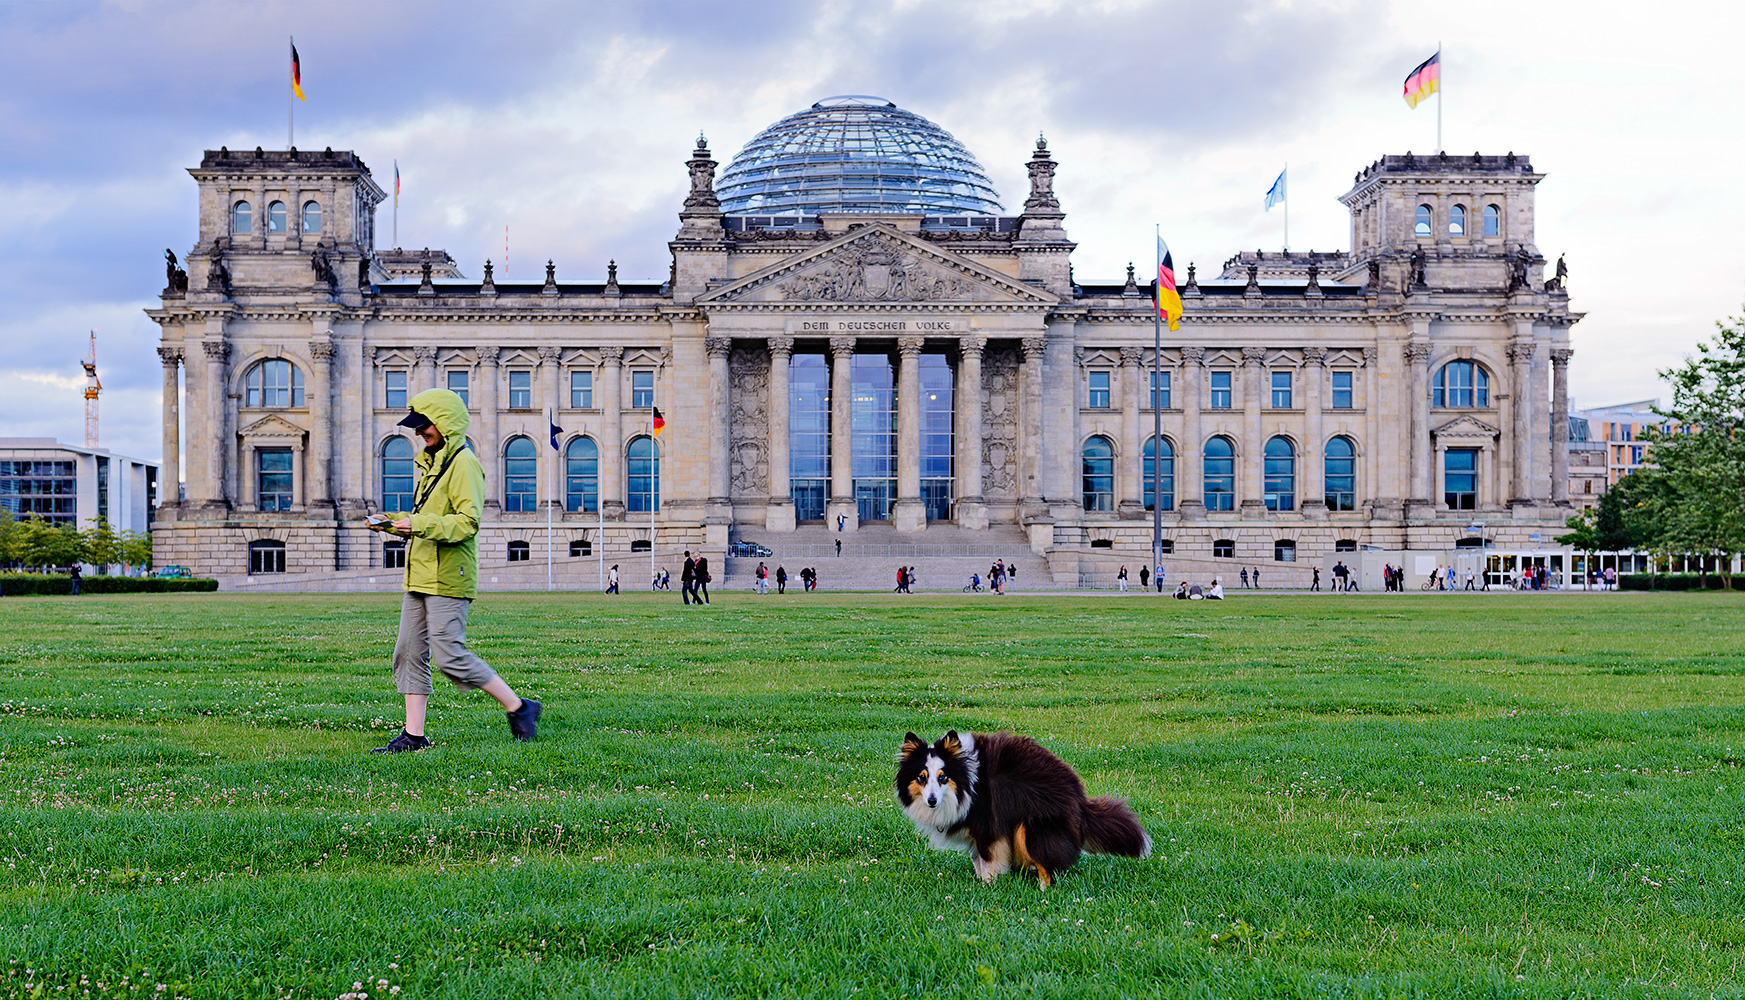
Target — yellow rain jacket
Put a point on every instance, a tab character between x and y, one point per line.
442	556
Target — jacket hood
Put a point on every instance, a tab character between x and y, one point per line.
444	409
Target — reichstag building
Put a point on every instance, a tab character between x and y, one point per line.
858	339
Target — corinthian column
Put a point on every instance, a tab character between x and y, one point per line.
910	513
1030	419
320	396
1191	457
1311	497
842	503
1253	449
779	512
1132	481
425	369
1560	424
972	510
1417	355
1521	407
217	403
720	490
485	395
170	476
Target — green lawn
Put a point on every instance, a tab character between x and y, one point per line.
1352	796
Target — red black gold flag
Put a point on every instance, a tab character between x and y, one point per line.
296	74
659	422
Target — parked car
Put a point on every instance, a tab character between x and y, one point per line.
749	550
173	573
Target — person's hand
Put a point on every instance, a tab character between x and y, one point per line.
402	527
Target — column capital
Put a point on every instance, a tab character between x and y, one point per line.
1033	347
425	355
1193	355
717	346
781	346
216	350
975	345
488	356
1370	354
1132	357
842	347
1521	351
1255	356
321	351
550	355
1416	354
1560	355
611	355
172	356
910	347
1314	356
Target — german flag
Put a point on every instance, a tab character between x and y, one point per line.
1425	80
296	74
659	422
1169	302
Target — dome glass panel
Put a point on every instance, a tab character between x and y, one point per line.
855	154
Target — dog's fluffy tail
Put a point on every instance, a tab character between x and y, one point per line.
1113	828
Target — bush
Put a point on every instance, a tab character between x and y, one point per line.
1676	581
43	585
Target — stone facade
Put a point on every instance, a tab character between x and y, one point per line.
1433	342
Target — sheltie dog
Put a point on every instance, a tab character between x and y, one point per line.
1009	803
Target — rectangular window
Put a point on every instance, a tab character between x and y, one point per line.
1460	478
457	384
102	488
581	390
1160	390
1635	454
1099	398
1281	390
393	555
44	490
1625	432
641	389
273	478
809	434
520	390
1342	390
1220	390
396	382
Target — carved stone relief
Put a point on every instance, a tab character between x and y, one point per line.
748	372
875	270
1000	421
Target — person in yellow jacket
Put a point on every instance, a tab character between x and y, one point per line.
442	570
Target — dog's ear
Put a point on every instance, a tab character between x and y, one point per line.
911	743
951	744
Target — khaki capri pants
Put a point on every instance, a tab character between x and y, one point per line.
434	629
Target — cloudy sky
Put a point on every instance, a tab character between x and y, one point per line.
569	125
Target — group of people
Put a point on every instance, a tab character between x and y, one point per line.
905	580
760	584
1147	576
1186	591
1246	574
694	579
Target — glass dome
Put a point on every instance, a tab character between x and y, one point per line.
855	154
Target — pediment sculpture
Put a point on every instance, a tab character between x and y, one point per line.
876	270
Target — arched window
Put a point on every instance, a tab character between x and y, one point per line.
1160	450
1224	548
274	382
1493	220
521	475
312	217
397	473
1422	224
241	218
642	485
276	217
1460	384
1281	475
266	556
1457	221
1341	474
520	551
1220	474
581	476
1099	474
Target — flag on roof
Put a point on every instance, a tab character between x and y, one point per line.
296	74
396	182
659	422
1276	193
1425	80
1169	303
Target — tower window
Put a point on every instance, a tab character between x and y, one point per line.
641	389
1220	390
1099	397
312	217
241	218
1421	225
1342	390
1493	220
276	217
457	384
1281	390
1460	384
520	390
1457	221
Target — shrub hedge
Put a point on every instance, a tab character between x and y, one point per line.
41	584
1676	581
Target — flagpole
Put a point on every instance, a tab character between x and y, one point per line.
397	206
1287	200
291	106
1156	416
654	478
550	423
1441	88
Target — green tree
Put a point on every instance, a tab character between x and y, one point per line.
1700	455
102	544
41	544
136	549
8	539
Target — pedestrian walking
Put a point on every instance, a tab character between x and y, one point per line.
781	580
76	575
1243	575
1121	579
702	586
1145	578
902	579
1314	578
1255	576
612	579
839	548
1157	577
442	571
762	584
688	578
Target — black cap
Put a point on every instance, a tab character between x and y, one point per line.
415	420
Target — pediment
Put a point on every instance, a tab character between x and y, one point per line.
272	426
1466	426
876	264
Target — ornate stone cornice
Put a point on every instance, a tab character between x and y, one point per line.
1255	356
1560	355
1314	355
611	355
550	355
841	347
1521	352
172	356
1033	347
1132	356
781	346
216	350
1416	354
488	356
1193	355
717	346
321	350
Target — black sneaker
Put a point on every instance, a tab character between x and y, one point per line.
404	743
524	721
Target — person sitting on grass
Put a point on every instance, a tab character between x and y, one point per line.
1217	591
442	571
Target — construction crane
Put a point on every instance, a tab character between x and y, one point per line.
92	388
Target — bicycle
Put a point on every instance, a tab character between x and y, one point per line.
973	585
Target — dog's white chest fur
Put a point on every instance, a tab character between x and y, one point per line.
936	820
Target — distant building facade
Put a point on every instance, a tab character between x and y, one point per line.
1612	436
75	485
868	340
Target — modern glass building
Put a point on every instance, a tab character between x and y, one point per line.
855	154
